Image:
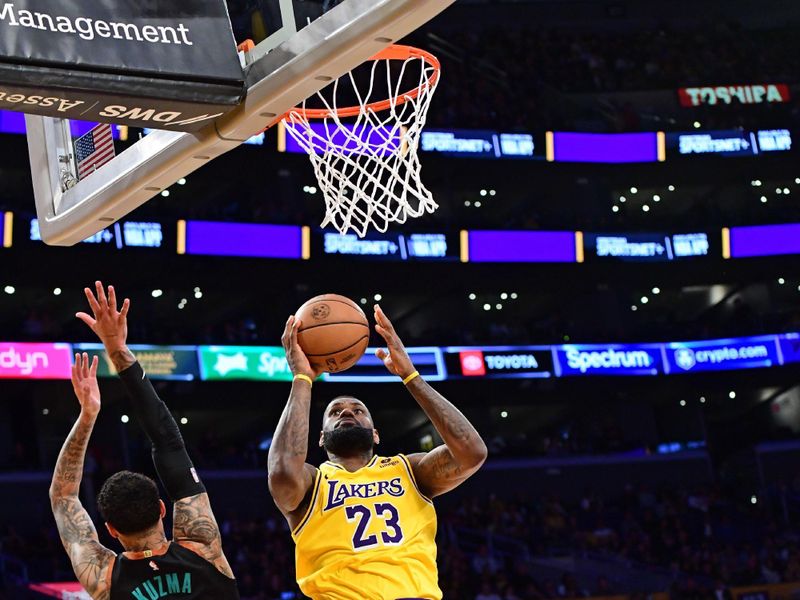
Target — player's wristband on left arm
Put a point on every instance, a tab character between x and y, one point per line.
410	378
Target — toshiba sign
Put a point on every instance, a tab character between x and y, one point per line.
761	93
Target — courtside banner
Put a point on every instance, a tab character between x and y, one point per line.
512	362
370	369
722	355
20	360
258	363
790	347
165	65
176	363
609	359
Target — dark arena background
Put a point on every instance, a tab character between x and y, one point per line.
610	291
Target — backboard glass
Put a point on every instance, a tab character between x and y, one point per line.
306	44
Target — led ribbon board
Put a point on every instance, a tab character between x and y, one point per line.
521	246
606	147
734	142
240	239
764	240
475	143
268	363
122	234
176	363
647	247
499	362
430	247
722	355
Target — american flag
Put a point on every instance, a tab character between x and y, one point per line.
94	149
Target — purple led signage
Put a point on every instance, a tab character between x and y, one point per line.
244	239
605	148
348	139
521	246
765	240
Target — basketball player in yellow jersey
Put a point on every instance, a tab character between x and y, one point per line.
364	525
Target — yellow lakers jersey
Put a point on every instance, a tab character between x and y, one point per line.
367	535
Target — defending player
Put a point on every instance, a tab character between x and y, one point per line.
193	564
364	526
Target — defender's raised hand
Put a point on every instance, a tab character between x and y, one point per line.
110	324
84	382
396	358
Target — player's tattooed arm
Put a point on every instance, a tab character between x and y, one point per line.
90	560
290	477
195	527
463	452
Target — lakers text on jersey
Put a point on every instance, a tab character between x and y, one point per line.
367	535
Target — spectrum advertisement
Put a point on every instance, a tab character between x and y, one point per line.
608	359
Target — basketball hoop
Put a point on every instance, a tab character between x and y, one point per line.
368	169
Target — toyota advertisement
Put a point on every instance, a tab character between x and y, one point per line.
499	362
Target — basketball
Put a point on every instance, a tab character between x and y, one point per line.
333	333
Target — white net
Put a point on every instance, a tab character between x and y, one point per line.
368	169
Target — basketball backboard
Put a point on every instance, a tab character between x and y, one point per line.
307	44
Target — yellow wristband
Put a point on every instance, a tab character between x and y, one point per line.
411	377
304	378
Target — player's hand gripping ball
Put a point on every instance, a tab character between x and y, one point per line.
333	332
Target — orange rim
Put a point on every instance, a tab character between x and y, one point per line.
394	52
246	46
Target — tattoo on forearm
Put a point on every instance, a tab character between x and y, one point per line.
69	466
462	439
122	358
193	521
88	557
291	434
78	535
74	525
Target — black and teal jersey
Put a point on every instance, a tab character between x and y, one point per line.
178	573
